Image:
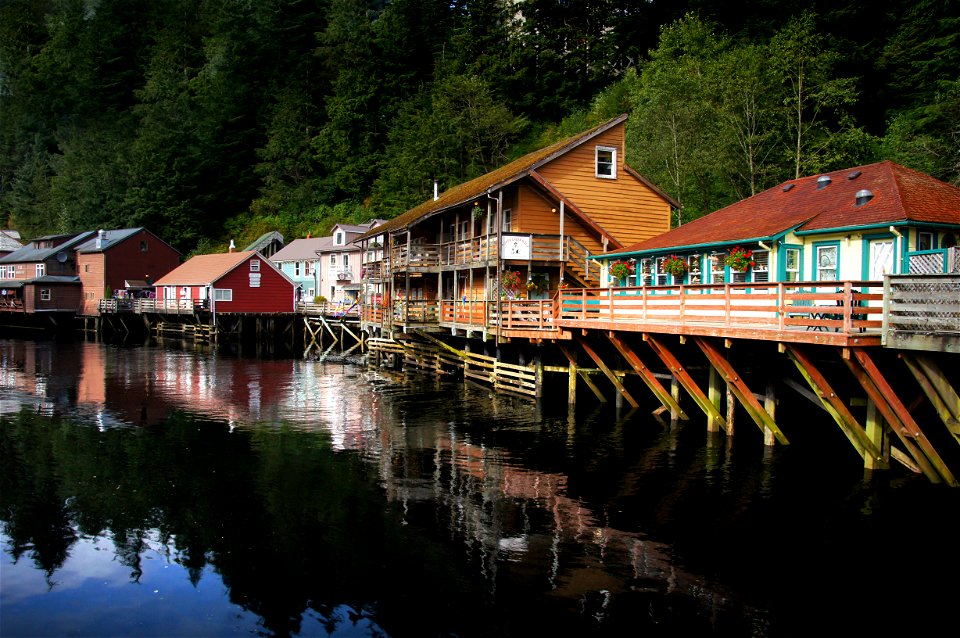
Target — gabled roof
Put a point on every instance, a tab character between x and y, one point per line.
303	249
203	270
264	240
32	254
9	241
107	239
899	195
497	178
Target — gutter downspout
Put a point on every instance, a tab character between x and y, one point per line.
897	247
499	202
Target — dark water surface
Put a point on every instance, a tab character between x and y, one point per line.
150	491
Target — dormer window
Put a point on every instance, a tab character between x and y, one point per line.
606	162
338	238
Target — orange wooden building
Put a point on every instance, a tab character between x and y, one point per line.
521	231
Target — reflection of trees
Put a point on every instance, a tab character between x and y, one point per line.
286	523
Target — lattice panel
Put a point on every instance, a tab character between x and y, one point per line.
932	305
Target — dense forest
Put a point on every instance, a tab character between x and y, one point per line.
206	120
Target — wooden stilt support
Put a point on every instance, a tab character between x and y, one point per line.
686	380
899	418
935	385
713	395
739	388
666	399
586	379
836	407
606	371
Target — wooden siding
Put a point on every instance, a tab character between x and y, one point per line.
275	293
625	207
92	271
63	297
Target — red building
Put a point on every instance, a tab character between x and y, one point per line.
110	260
243	282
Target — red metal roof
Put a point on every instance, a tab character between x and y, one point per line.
202	270
900	194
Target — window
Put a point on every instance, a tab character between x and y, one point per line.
791	270
185	292
924	240
143	246
308	268
646	272
761	265
717	268
45	294
223	294
694	275
662	276
827	263
507	220
346	259
310	293
254	265
333	259
41	270
296	268
88	296
254	280
3	272
86	268
606	162
338	241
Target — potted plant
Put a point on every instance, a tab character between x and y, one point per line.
674	265
476	212
621	269
739	259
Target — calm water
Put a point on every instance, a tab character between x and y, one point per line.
150	491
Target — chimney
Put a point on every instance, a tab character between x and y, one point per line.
436	192
100	235
232	245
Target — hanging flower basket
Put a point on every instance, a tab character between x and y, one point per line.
675	266
509	283
739	259
476	212
621	269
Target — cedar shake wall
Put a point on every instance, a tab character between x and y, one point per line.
536	217
624	207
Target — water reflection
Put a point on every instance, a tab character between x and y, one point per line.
153	491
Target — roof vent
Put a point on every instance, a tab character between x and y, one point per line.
854	175
787	187
823	181
863	196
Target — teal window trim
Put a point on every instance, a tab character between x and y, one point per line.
782	261
814	263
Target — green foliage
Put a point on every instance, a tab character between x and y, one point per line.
211	120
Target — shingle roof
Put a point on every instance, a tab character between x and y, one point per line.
9	242
303	249
204	269
900	194
496	178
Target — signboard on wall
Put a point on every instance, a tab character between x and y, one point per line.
515	246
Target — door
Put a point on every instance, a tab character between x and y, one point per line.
881	259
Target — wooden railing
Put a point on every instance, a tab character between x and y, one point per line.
171	306
842	306
329	309
513	314
11	305
416	311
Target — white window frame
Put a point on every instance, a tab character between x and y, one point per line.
296	268
338	238
791	273
821	269
761	266
507	220
605	168
346	259
45	294
333	259
41	270
254	280
223	294
254	265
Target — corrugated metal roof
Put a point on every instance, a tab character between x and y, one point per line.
493	180
32	254
105	239
203	270
900	194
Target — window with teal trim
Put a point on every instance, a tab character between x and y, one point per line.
828	260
